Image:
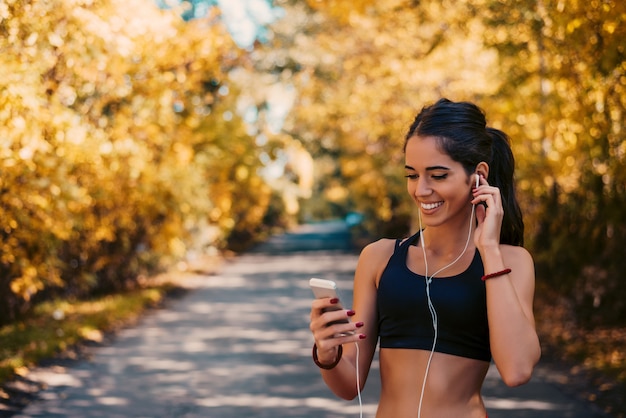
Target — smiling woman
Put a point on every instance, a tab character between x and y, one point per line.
449	299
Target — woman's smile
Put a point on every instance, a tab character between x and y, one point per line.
430	206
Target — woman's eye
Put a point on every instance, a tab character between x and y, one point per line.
411	176
440	177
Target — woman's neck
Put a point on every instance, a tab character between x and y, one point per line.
449	239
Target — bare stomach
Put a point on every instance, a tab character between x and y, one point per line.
452	387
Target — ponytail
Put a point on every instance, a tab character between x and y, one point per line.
501	168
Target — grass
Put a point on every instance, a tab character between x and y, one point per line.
54	327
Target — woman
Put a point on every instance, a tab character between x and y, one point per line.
438	323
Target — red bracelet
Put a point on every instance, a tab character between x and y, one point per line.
496	274
327	366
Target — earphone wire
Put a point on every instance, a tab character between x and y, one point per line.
358	380
431	306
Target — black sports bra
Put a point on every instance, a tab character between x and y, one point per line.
460	302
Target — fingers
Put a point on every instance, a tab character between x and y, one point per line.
489	195
480	213
489	213
319	306
331	325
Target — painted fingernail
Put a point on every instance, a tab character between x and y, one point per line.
362	336
334	300
350	313
359	324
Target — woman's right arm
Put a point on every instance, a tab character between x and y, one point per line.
341	379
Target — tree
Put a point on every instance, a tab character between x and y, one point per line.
565	77
364	70
121	137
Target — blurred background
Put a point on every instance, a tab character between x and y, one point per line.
141	134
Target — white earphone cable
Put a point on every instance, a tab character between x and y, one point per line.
358	381
431	307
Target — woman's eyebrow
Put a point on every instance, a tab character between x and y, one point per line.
432	168
437	167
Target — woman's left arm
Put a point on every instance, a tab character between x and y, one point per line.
514	343
513	338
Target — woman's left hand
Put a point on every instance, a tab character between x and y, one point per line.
489	215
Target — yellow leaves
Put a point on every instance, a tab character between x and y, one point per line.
336	193
101	170
610	26
91	334
241	173
4	10
104	233
55	39
177	247
574	24
27	284
341	10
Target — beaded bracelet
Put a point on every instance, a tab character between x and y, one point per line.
496	274
327	366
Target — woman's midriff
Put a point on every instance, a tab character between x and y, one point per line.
452	388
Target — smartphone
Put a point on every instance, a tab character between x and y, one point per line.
323	288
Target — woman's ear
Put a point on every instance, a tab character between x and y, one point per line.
482	169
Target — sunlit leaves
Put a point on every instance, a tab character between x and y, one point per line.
549	73
116	123
369	67
563	65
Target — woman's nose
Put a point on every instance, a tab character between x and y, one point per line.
422	188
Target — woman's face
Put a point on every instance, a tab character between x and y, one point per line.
439	185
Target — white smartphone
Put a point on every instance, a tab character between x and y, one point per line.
323	288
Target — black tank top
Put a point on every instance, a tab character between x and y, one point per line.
460	301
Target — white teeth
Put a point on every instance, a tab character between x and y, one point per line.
429	206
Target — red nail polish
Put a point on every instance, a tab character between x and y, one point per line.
334	300
359	324
350	313
362	336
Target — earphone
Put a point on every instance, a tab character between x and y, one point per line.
358	380
431	306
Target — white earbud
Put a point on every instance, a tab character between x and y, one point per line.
477	180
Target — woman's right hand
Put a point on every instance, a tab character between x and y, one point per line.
331	327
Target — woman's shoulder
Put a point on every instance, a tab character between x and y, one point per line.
374	258
378	251
381	245
515	252
518	259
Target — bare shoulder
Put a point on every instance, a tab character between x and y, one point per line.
517	256
374	258
378	251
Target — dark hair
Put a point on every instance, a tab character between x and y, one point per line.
462	133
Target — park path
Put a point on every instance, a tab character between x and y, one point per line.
237	345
